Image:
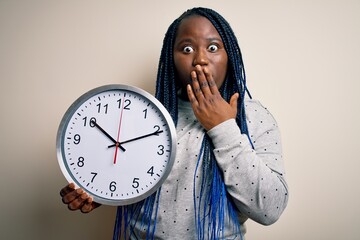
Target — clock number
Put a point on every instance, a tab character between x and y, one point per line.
145	113
95	174
151	171
161	150
112	186
157	128
127	103
81	162
91	122
135	183
77	139
99	107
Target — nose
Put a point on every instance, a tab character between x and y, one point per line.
200	58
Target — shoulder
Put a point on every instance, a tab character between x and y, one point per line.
258	117
254	109
254	105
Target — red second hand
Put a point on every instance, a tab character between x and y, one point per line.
118	135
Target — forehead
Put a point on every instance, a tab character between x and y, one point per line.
196	26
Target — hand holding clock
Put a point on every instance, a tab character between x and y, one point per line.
77	199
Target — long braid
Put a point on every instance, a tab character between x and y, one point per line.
166	83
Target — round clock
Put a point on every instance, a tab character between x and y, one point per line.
116	142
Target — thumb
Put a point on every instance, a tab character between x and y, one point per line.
234	101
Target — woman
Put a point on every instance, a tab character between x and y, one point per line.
229	165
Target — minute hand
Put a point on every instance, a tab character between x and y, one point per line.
137	138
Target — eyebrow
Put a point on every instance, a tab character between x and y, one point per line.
214	39
211	39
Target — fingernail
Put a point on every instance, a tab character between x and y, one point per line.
79	191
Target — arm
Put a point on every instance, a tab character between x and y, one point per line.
254	177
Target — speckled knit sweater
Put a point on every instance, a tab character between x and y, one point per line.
254	178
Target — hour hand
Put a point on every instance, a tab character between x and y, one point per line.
137	138
108	135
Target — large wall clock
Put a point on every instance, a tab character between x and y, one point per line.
118	143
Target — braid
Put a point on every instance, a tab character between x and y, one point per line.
166	83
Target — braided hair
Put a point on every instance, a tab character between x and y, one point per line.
166	85
214	200
214	206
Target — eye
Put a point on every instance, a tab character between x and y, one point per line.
188	49
213	48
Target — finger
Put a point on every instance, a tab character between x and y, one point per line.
211	82
88	206
202	79
234	101
78	202
191	95
67	189
71	196
196	86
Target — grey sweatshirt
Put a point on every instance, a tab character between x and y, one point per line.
254	178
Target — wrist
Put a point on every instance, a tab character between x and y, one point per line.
224	133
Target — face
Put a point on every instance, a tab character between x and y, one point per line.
197	42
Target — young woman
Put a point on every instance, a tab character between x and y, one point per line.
229	164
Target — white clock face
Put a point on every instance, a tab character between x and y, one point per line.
116	142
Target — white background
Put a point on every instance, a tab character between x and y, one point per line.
302	62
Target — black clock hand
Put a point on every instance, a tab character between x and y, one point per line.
106	134
137	138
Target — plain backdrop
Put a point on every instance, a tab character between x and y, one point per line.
302	62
